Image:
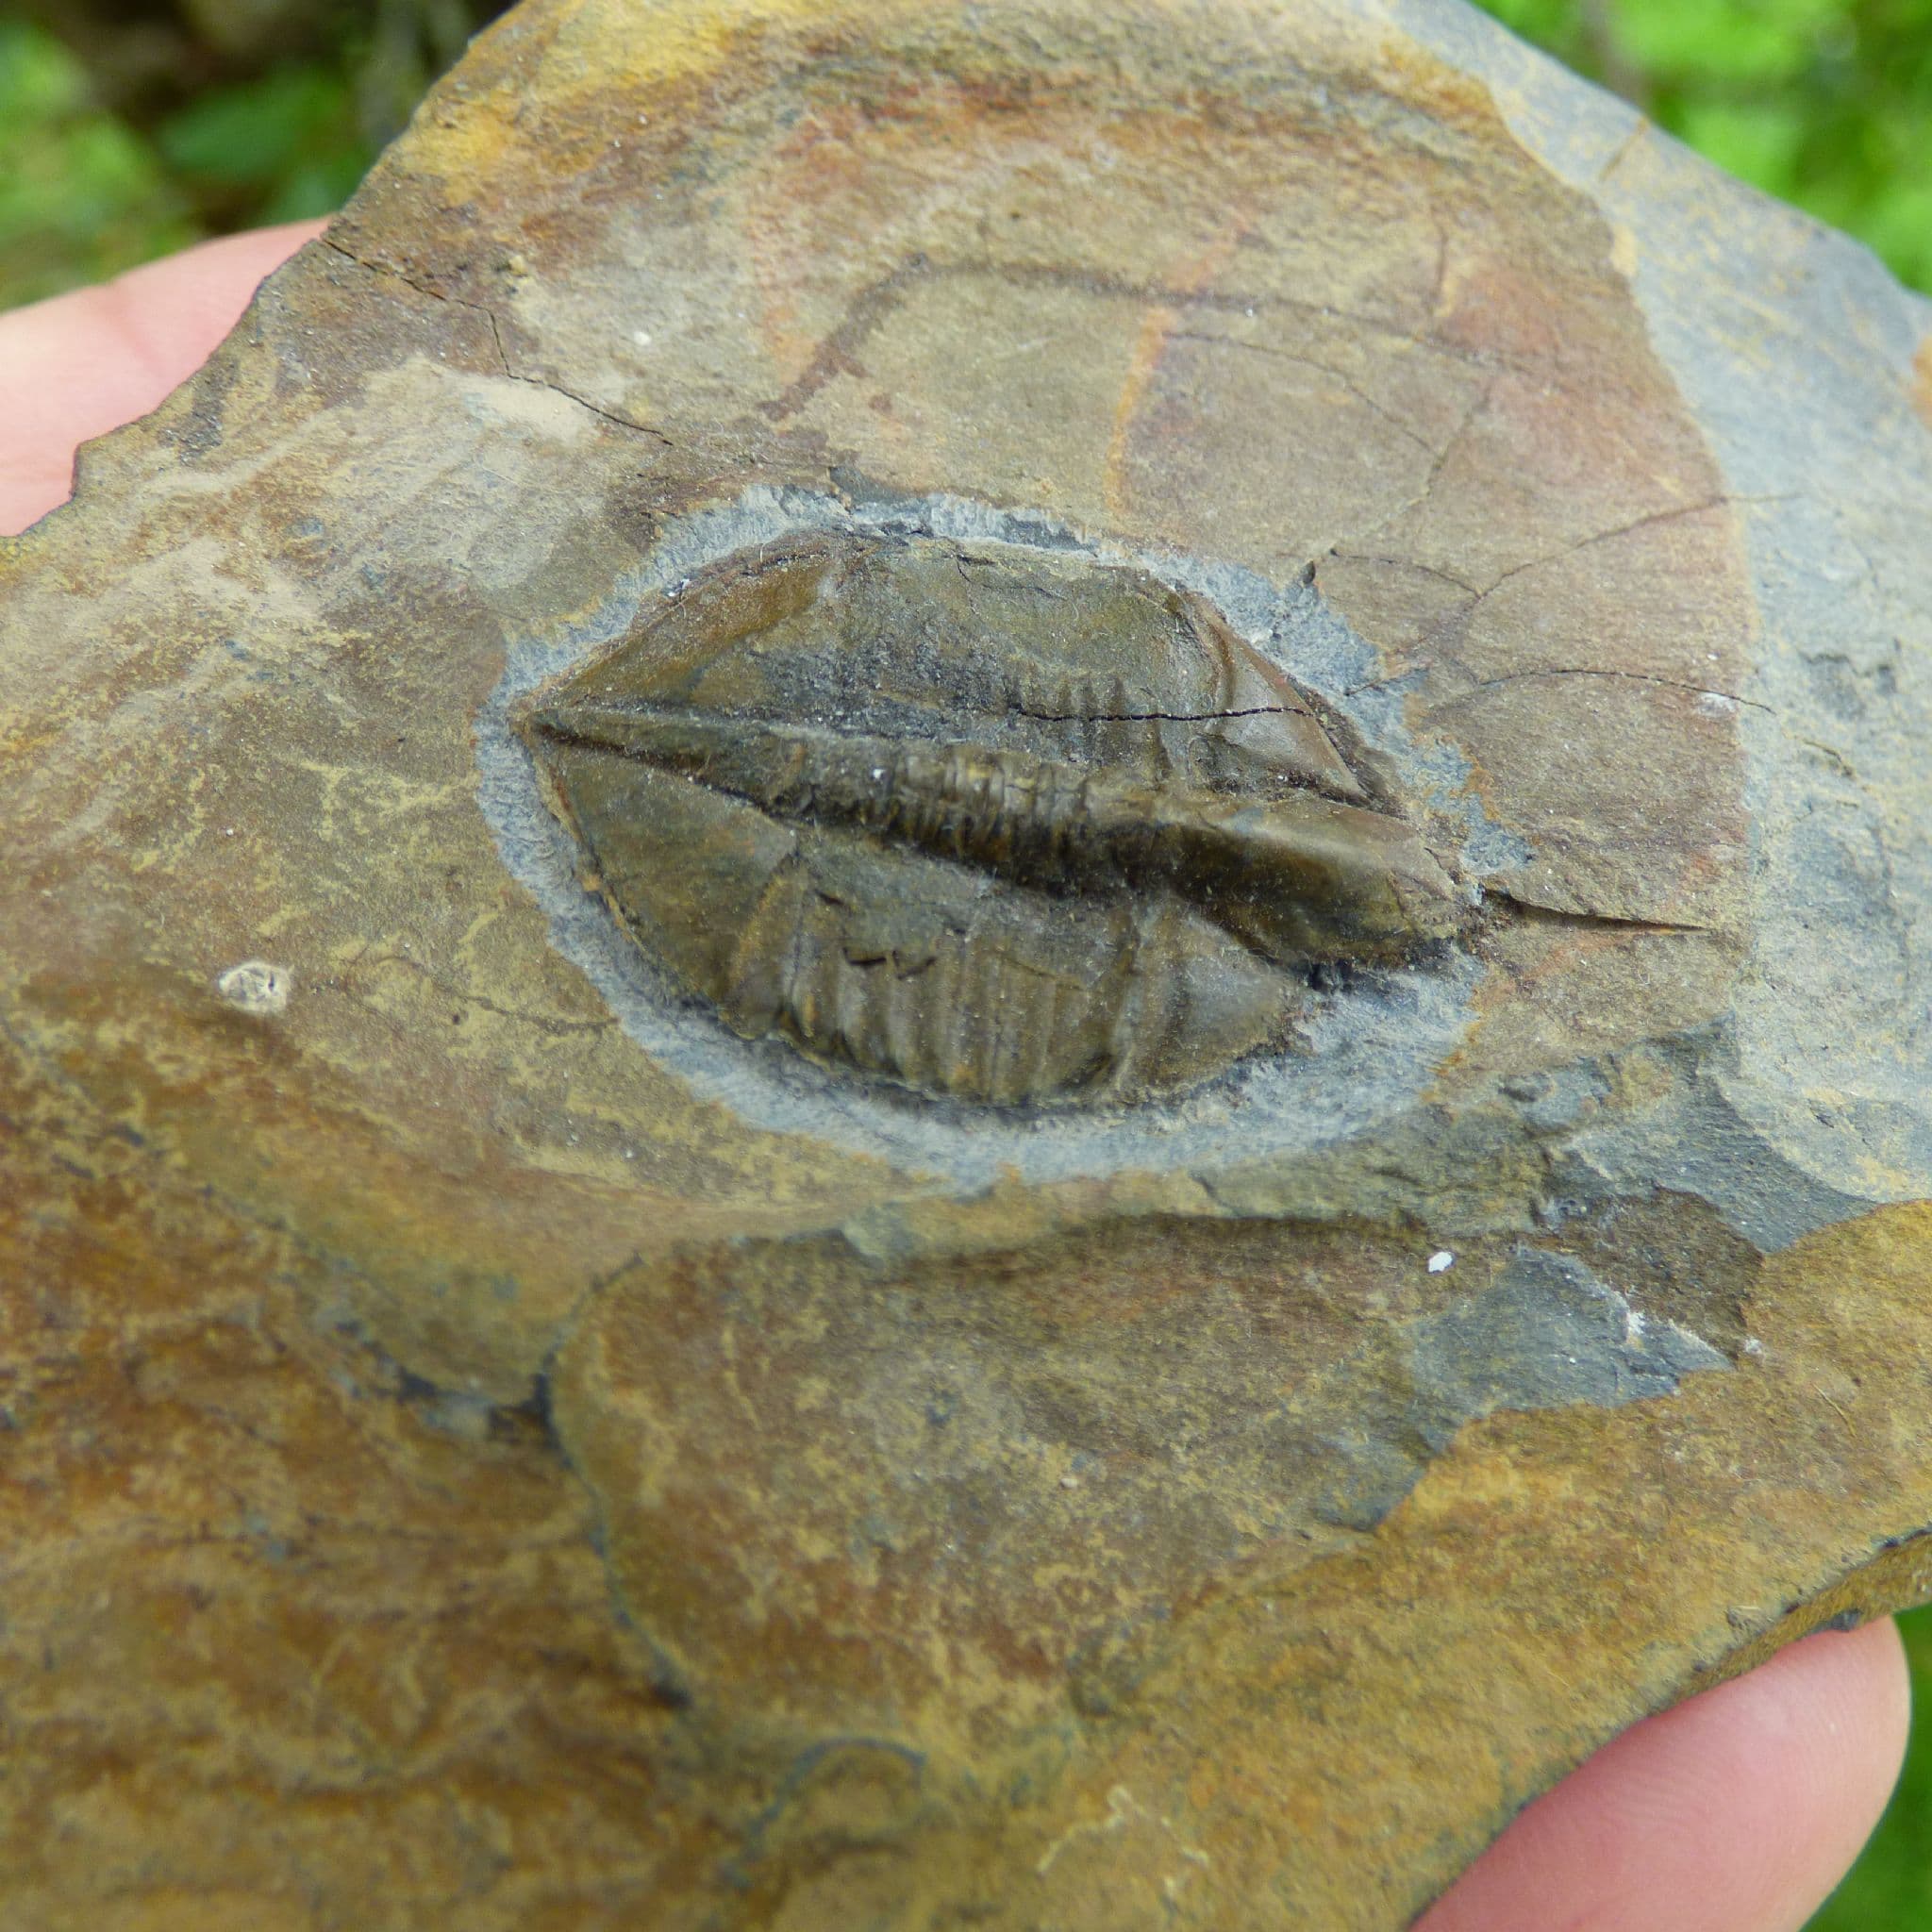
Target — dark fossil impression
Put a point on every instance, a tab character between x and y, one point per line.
992	823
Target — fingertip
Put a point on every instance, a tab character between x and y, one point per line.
171	312
80	364
1736	1811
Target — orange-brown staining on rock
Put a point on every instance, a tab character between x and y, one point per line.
1003	319
1580	981
220	1500
1162	317
1921	382
1564	600
1416	77
1050	1444
823	168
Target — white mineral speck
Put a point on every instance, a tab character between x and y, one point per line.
1441	1259
256	987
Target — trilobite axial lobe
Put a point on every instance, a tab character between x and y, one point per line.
1007	825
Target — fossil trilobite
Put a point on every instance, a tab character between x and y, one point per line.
989	822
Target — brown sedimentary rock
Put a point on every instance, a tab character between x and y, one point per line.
539	1397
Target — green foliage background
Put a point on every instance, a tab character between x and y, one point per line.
129	128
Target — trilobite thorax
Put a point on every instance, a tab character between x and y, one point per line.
992	823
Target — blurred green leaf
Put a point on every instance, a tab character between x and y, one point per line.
317	186
1898	225
229	114
81	195
1759	142
1754	41
1545	21
39	81
259	131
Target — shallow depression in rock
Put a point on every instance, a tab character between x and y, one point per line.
981	820
986	815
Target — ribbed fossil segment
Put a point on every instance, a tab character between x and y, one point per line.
992	823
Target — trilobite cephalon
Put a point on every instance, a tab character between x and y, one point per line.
994	823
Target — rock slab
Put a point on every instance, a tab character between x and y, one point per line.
493	1441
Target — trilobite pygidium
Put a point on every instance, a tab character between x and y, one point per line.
994	823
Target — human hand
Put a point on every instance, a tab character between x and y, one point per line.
1735	1812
